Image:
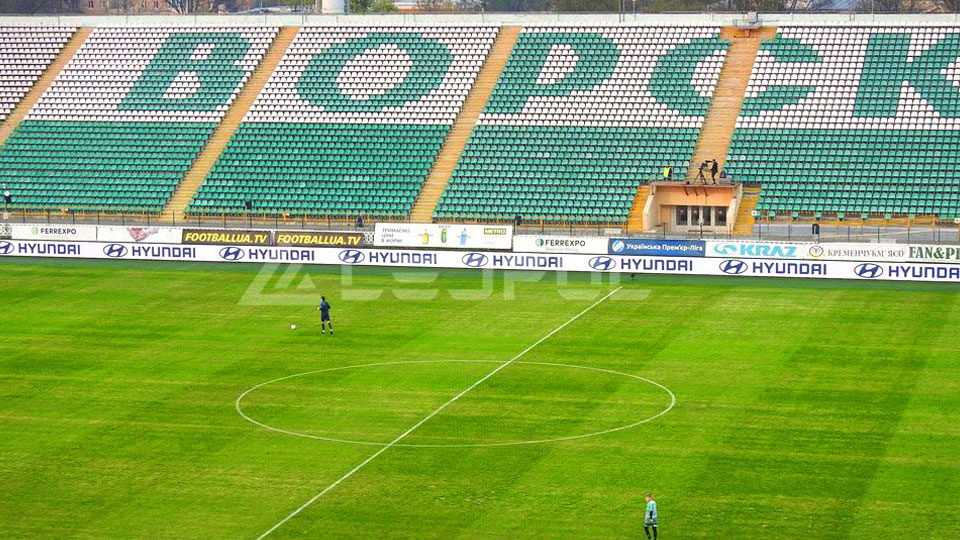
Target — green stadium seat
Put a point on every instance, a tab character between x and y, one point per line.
111	134
346	126
571	129
826	127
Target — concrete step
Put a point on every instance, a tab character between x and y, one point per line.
43	83
228	126
721	117
459	134
635	217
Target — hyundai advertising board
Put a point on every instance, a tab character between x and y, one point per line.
488	260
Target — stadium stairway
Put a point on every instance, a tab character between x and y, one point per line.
456	141
635	218
717	131
44	82
745	218
221	136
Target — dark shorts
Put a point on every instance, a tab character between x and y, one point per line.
324	317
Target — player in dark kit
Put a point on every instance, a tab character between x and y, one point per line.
324	308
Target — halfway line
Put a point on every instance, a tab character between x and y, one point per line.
429	416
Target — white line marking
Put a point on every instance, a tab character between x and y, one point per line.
400	437
239	408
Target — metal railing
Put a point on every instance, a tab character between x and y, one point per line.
247	220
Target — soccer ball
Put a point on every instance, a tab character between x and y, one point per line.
293	327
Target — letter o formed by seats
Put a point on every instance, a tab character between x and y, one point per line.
431	62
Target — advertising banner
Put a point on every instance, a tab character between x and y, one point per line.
178	235
431	235
756	250
143	235
489	260
226	236
941	254
54	232
483	237
833	251
861	270
559	244
663	248
857	252
318	238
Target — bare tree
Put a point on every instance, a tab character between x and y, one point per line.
893	6
383	6
429	5
185	7
586	6
766	6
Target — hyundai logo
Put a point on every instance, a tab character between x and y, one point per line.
475	260
725	249
868	270
733	266
617	246
603	263
115	250
231	253
6	248
351	256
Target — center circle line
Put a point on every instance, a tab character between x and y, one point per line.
239	408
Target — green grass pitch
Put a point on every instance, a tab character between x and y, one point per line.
815	411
